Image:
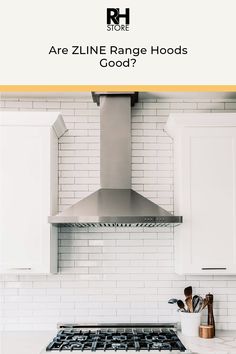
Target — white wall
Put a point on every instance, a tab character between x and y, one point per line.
112	275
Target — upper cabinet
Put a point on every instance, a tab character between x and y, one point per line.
205	192
28	190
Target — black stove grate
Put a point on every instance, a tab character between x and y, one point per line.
116	340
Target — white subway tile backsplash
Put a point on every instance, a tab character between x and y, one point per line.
18	104
112	274
183	105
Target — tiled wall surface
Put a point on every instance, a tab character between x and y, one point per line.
112	275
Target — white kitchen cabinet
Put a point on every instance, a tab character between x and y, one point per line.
205	192
28	191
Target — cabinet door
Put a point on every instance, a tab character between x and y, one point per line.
24	198
206	242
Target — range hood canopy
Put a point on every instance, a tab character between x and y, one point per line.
115	204
115	207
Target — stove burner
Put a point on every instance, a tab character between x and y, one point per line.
135	339
119	338
161	346
80	338
160	337
116	346
157	345
76	346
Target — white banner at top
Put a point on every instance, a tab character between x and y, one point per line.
118	42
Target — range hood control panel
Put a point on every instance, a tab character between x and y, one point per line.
158	219
152	219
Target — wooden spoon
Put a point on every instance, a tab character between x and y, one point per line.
188	292
189	304
205	303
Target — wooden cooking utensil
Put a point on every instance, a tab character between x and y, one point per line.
188	292
205	303
189	304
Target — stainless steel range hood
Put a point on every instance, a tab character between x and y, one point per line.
115	204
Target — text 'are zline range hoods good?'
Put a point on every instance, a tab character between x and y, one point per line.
115	203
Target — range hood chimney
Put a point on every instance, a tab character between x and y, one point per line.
115	204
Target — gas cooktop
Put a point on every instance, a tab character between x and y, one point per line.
119	338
